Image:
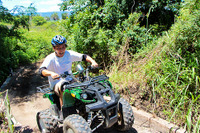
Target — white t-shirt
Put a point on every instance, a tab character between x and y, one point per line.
60	65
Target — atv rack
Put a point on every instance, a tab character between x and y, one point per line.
86	83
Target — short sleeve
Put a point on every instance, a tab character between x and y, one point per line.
75	56
47	62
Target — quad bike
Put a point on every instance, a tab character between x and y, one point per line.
88	103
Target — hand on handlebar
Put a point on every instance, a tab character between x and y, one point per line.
94	69
55	75
94	65
64	75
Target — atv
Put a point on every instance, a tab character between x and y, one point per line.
88	103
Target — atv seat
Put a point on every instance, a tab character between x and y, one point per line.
49	93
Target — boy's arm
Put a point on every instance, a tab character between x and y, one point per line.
92	61
44	72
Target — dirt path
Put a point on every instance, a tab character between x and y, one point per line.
26	102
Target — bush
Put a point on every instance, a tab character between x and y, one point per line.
167	76
39	20
64	15
30	47
55	16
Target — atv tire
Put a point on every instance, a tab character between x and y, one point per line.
126	117
75	124
47	122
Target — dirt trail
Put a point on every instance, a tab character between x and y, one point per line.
26	102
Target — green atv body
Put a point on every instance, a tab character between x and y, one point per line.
88	104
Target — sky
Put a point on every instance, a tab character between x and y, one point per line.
40	5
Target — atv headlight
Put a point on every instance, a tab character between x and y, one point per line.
84	95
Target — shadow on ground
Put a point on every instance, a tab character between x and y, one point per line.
20	129
24	86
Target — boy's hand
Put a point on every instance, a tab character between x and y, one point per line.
54	75
94	64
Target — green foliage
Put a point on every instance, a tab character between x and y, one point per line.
47	18
166	64
64	15
19	10
152	12
15	21
111	15
55	16
38	20
137	36
30	47
101	32
114	21
37	43
27	11
10	34
186	50
31	10
167	70
5	114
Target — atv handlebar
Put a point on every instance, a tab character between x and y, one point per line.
89	69
64	75
93	69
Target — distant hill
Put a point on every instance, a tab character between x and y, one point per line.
48	14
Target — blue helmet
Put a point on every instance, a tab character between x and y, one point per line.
58	40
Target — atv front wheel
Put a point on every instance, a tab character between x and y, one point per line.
125	116
75	124
46	122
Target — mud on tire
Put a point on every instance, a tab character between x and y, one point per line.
75	124
46	122
126	117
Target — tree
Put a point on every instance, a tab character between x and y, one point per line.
55	16
31	10
9	37
39	20
90	20
64	15
47	18
19	10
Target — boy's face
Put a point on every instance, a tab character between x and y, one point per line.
60	50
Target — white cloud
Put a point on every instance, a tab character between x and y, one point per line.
50	2
48	5
25	2
50	9
43	10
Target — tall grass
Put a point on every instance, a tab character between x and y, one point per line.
38	40
167	72
28	47
5	114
